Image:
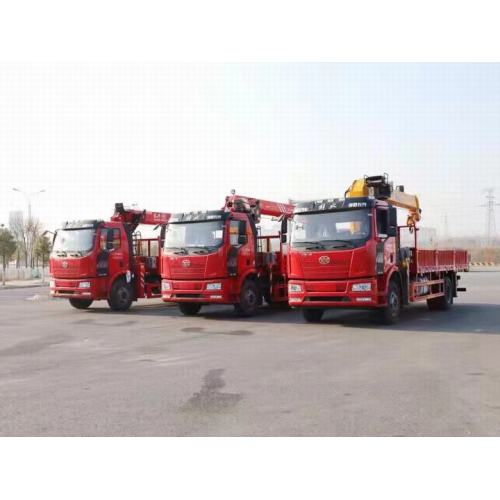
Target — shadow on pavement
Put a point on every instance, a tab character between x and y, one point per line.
476	318
135	310
461	318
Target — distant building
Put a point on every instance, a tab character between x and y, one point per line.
14	215
15	222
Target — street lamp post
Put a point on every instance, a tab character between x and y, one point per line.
29	197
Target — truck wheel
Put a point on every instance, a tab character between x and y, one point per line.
392	310
80	303
280	306
444	302
121	297
189	308
250	299
313	315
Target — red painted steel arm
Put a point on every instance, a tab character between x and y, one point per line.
270	208
134	216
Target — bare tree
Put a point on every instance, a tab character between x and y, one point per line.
17	227
33	230
42	249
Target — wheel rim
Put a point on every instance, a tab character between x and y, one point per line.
250	297
393	302
122	295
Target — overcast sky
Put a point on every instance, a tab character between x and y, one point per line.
180	137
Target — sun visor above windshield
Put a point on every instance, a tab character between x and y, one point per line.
81	224
330	204
206	215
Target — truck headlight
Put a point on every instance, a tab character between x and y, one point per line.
294	287
84	284
214	286
361	287
165	285
52	284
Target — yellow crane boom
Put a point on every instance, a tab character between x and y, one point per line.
379	187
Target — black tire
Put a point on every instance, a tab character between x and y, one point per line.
189	308
250	299
280	306
444	302
313	315
81	303
121	296
392	310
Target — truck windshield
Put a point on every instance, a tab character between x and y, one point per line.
73	242
329	230
194	237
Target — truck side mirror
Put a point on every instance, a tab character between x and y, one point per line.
284	229
392	227
242	233
109	241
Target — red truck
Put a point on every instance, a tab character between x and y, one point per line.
221	257
348	253
96	260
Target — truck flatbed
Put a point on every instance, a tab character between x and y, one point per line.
429	261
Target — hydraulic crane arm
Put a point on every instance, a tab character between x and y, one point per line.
135	217
379	187
257	207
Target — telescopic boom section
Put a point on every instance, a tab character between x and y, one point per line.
257	207
136	217
379	187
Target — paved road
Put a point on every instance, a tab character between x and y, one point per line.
153	372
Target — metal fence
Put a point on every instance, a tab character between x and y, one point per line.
23	273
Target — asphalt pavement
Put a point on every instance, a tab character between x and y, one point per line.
153	372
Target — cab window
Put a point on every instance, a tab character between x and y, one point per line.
115	239
382	221
110	239
237	233
103	239
234	231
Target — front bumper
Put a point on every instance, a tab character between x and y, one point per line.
70	288
196	291
334	293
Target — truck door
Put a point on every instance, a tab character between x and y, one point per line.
112	254
103	254
240	256
117	251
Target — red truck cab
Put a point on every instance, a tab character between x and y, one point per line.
347	253
97	260
219	257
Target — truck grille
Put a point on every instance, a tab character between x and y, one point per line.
326	299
